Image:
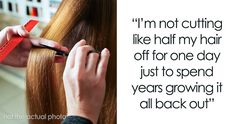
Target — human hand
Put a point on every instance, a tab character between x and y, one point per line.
84	81
19	56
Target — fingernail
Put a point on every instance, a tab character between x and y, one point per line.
26	34
65	49
83	40
8	37
106	50
80	43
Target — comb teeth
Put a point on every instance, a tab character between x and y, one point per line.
8	46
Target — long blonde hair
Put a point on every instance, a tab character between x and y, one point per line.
92	20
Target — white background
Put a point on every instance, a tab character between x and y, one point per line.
222	111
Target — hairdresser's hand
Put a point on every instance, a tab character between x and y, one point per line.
19	56
84	81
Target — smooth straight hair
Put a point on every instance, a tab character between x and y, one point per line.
92	20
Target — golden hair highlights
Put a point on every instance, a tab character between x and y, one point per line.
92	20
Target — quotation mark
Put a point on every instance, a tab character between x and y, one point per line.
138	21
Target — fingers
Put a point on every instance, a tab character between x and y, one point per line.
81	57
92	62
29	42
25	44
102	65
50	43
83	60
71	58
16	30
59	59
22	31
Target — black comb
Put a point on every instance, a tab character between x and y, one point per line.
58	52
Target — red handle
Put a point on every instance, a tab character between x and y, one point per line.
7	47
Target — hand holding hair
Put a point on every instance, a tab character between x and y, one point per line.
19	56
84	81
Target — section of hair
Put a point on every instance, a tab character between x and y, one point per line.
39	90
